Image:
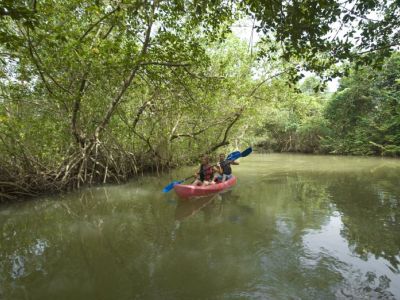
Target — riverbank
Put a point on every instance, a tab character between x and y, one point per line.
15	186
37	185
261	148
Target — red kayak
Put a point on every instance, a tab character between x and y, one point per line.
188	191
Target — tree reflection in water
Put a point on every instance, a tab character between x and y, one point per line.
281	234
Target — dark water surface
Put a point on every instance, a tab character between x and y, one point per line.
295	227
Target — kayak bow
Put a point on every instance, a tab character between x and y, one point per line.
188	191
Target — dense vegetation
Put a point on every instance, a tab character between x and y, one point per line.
361	118
98	91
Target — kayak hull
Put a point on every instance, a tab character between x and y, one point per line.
188	191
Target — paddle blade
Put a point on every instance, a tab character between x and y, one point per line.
170	186
174	183
229	157
246	152
235	156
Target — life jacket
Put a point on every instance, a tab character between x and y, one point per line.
226	167
206	172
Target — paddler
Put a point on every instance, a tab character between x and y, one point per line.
206	172
224	168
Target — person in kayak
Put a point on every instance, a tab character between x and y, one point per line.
206	172
224	169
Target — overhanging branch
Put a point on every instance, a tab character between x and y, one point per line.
91	27
166	63
225	141
193	134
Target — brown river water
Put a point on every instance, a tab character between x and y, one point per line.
294	227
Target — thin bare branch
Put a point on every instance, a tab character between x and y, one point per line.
91	27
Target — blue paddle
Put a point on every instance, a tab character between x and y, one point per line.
229	157
175	182
237	154
232	156
246	152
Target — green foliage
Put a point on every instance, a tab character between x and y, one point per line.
294	121
96	91
321	33
361	118
364	113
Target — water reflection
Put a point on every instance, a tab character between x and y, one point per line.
190	207
213	208
295	227
371	217
359	278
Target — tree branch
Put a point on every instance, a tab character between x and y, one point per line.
168	64
265	80
114	103
225	141
77	104
202	77
38	63
139	113
193	134
97	23
378	48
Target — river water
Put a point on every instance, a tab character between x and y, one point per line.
294	227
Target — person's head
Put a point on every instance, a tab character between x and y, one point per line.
205	160
221	156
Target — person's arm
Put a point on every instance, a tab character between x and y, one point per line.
217	169
234	162
197	175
